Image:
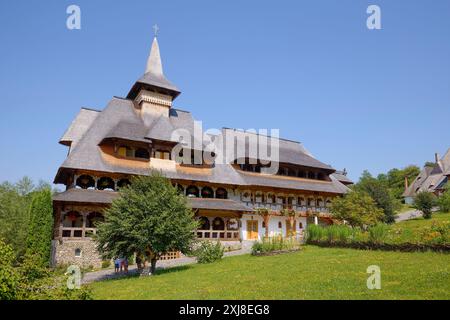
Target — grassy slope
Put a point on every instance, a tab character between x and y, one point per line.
409	230
314	273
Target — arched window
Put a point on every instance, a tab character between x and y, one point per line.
320	202
105	183
221	193
328	203
280	225
311	202
192	191
300	225
142	153
301	201
123	183
93	219
73	219
218	224
77	252
204	223
207	192
180	189
85	182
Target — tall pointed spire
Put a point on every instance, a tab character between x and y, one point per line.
154	79
154	64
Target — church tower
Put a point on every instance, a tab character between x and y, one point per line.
153	94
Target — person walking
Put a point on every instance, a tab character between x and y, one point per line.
125	264
116	264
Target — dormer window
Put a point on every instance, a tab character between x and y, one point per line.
130	152
163	155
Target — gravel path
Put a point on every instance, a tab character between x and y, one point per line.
408	215
160	265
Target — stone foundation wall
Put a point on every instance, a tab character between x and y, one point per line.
81	252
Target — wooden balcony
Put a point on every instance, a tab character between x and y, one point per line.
77	233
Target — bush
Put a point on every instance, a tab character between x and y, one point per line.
378	233
9	279
444	201
314	233
209	252
106	264
425	201
438	233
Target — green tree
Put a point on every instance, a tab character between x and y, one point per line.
14	204
444	201
149	217
396	179
378	190
41	225
425	201
357	208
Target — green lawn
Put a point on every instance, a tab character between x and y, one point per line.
313	273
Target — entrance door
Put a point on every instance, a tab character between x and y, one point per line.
290	232
252	229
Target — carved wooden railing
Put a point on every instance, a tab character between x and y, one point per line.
77	232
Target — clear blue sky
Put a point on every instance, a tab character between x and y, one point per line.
356	98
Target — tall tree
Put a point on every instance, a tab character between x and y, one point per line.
41	225
149	217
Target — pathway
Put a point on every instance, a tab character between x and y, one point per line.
408	215
106	274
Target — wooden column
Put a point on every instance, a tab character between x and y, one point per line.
57	231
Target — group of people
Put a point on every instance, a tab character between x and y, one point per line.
121	265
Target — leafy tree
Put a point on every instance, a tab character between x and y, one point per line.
378	190
444	201
14	218
396	179
425	201
149	217
41	225
357	208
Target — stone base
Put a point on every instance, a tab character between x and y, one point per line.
82	252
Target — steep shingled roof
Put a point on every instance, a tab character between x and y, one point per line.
79	126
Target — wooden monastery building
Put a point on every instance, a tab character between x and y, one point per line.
133	135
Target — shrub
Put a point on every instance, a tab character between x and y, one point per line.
425	201
314	233
209	252
378	233
106	264
9	279
438	233
444	201
344	233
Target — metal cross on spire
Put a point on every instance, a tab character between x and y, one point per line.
156	29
